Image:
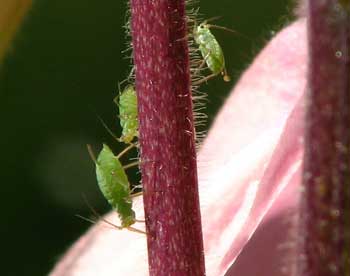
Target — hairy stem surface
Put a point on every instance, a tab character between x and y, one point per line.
168	157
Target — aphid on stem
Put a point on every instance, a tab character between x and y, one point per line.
114	184
211	50
127	103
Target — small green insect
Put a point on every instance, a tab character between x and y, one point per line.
114	184
127	102
210	50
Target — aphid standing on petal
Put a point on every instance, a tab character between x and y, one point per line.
114	184
127	102
210	50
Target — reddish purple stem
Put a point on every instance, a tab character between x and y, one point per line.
325	211
169	169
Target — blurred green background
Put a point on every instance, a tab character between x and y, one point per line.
60	73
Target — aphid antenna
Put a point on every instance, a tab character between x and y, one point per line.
108	129
116	98
212	26
214	18
86	219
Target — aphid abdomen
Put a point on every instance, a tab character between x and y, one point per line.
128	114
114	185
214	62
211	51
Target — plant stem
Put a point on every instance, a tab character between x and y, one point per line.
168	157
325	209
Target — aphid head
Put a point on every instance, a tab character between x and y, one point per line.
203	26
200	30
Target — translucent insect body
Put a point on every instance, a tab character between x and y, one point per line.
114	185
128	114
210	50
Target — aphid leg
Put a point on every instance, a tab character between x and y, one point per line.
126	150
100	218
133	164
97	215
226	77
205	79
201	65
130	228
140	220
136	194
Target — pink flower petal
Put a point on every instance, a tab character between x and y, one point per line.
242	177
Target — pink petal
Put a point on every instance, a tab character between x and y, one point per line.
246	176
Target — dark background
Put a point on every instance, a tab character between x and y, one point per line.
61	72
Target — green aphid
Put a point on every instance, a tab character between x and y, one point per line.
127	102
210	50
114	185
